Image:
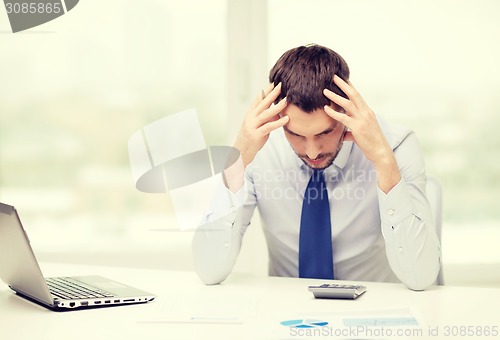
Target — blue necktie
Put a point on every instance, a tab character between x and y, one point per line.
315	243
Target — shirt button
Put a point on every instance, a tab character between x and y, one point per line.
400	249
390	212
226	244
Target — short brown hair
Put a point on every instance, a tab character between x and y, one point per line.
304	72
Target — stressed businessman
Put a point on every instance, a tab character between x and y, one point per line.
340	192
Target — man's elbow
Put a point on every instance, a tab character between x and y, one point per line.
209	274
419	285
209	279
211	266
422	280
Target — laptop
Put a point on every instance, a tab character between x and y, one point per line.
20	270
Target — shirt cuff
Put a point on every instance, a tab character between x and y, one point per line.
224	202
396	205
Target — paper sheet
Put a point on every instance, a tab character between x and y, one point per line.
199	308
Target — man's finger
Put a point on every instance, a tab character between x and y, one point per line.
338	116
350	91
271	126
264	92
346	104
267	89
269	99
272	111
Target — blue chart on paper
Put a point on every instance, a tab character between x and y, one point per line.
304	323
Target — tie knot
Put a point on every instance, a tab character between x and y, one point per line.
317	175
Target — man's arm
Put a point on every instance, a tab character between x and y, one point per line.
365	131
217	241
412	246
262	119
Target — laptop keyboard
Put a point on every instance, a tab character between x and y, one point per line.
68	288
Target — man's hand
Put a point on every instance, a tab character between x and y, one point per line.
259	122
365	132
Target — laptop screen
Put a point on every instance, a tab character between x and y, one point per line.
18	265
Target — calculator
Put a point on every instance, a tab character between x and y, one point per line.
337	291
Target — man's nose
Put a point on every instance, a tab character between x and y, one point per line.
313	149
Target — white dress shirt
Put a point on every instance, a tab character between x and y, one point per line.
375	236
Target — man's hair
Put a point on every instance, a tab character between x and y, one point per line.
304	72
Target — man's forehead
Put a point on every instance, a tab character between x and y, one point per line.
308	123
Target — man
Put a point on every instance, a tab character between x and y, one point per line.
311	146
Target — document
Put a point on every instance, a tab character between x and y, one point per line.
199	308
362	324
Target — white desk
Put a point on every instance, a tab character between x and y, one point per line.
269	301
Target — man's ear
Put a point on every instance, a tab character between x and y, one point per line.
348	137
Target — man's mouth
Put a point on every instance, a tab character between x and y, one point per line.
316	161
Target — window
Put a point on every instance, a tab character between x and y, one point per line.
75	89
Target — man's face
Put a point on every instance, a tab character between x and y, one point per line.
315	137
